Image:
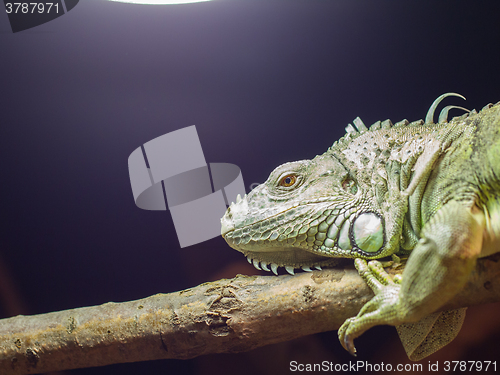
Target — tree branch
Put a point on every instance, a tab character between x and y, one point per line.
224	316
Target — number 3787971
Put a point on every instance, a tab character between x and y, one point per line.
31	7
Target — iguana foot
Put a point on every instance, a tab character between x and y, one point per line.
381	309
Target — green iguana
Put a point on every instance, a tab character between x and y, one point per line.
428	190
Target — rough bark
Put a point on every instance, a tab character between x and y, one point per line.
223	316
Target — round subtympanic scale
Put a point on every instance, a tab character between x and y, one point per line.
368	232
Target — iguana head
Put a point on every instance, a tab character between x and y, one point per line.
305	215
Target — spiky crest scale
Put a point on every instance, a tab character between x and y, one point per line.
354	131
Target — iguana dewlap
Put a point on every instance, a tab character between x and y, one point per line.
424	189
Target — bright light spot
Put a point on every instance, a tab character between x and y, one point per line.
156	2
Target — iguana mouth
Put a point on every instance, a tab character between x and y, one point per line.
240	208
270	258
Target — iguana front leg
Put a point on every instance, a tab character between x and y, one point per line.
437	269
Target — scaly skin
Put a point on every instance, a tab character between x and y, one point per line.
424	189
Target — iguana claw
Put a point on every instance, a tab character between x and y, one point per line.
347	341
349	345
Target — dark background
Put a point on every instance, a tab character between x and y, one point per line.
265	82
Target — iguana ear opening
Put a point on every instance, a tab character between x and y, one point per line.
350	185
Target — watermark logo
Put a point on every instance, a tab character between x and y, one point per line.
171	171
25	15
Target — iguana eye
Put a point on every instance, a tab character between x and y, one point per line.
288	180
349	185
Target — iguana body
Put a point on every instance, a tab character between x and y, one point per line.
424	189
